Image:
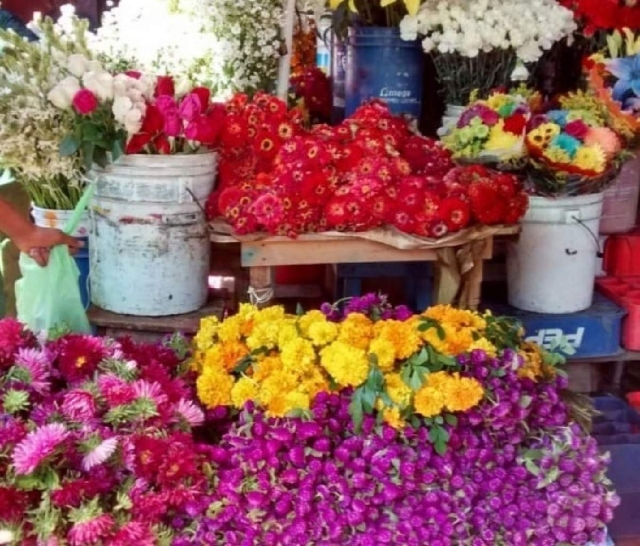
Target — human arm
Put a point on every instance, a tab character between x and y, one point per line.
30	239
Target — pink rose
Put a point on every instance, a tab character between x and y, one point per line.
169	110
190	107
85	102
577	129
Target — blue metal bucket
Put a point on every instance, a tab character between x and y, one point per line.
381	65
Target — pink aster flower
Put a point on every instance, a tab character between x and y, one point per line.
190	412
115	390
133	532
100	453
150	391
37	446
78	406
37	364
90	532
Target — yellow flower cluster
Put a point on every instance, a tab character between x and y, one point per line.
281	362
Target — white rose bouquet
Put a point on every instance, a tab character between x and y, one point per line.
477	44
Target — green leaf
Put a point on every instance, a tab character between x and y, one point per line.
532	467
434	434
415	421
299	310
368	397
91	132
69	146
440	447
117	150
405	375
243	365
451	419
420	358
551	477
428	323
100	157
415	382
356	411
87	154
439	420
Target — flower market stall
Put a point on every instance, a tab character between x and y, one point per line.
350	423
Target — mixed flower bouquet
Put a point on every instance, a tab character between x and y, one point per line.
131	113
476	46
593	18
369	171
378	423
571	153
491	130
31	127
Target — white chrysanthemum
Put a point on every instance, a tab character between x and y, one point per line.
529	27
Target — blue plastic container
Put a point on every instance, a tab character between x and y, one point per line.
381	65
595	332
82	260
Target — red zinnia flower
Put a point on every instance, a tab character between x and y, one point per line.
455	213
79	356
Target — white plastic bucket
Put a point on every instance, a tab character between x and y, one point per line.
150	246
551	268
58	218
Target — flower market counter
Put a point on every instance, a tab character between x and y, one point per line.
458	258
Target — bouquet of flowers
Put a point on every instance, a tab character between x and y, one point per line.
593	18
571	154
476	46
367	172
369	426
31	127
131	113
491	130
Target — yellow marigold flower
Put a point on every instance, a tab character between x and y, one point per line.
533	365
428	402
306	320
557	155
399	392
278	383
501	140
322	333
214	388
214	359
432	337
404	337
247	311
457	340
313	383
288	332
347	365
486	346
385	353
590	158
298	355
265	334
274	313
393	418
439	381
230	329
244	390
265	366
280	405
462	393
457	318
206	336
356	330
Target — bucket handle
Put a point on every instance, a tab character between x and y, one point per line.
575	216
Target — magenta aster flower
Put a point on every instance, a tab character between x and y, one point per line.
78	406
37	364
79	356
12	337
150	391
87	533
37	446
115	390
100	453
190	412
134	532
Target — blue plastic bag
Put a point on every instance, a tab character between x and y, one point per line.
49	297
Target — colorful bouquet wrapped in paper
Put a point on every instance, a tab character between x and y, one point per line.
571	153
491	130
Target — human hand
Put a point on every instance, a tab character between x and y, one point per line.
37	242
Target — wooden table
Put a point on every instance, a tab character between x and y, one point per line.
262	255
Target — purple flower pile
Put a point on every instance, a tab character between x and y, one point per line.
516	472
375	306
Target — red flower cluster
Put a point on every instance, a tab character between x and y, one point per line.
170	122
313	87
595	15
369	171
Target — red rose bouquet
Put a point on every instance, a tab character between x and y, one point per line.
604	15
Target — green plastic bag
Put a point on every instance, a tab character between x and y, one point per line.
49	297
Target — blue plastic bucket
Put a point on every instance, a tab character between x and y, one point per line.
338	77
381	65
82	261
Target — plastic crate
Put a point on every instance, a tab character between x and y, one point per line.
626	293
595	332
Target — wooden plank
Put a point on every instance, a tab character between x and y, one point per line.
187	324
